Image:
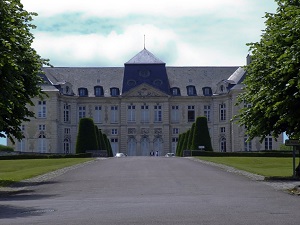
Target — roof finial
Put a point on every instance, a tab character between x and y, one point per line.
144	41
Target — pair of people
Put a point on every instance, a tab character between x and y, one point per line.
152	153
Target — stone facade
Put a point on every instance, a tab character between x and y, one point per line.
141	107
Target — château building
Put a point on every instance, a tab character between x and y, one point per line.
141	107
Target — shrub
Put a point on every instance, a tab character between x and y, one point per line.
5	148
201	135
190	138
102	144
179	145
86	138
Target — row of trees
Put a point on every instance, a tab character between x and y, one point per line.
91	138
197	135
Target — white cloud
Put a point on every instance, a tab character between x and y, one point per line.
120	8
97	48
221	41
116	49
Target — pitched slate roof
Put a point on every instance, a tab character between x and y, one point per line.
144	57
108	77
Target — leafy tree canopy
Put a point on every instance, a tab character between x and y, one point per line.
272	83
20	67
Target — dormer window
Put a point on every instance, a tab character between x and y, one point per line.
207	91
222	88
82	92
191	90
175	91
98	91
114	92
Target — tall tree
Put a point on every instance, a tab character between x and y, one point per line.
272	83
20	67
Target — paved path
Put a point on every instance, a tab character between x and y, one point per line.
148	190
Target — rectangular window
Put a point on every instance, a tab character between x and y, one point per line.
157	113
175	114
222	129
67	131
191	113
222	112
42	127
81	112
268	143
98	91
175	91
175	131
114	115
145	114
207	112
98	114
191	91
114	91
114	131
131	113
42	109
66	113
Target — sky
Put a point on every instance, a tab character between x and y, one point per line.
180	33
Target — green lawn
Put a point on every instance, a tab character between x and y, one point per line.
12	171
266	166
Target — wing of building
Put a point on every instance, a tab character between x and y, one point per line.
141	107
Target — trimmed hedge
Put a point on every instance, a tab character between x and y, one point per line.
4	148
244	154
44	156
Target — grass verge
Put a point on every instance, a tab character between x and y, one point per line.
270	167
12	171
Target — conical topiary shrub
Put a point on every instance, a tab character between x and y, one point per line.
201	135
86	138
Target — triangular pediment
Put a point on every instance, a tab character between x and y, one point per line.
144	90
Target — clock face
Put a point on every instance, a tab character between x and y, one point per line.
144	73
157	82
131	82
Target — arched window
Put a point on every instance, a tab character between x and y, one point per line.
247	144
67	146
158	145
145	146
42	143
223	144
131	147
